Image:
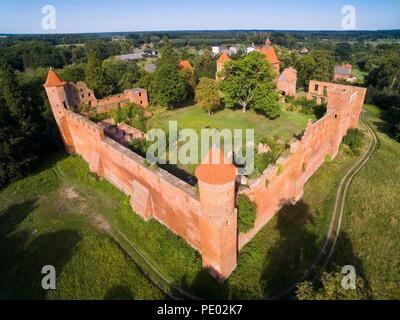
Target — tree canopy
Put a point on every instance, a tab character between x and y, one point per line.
95	75
207	94
167	86
249	83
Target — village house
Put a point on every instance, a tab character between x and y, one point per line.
215	50
185	65
343	72
223	58
270	54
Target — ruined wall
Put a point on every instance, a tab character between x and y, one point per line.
79	93
284	182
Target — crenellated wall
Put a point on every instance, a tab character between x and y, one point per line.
284	181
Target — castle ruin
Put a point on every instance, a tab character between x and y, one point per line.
208	222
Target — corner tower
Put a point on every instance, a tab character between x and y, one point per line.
57	95
218	222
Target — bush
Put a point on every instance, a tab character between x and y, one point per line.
354	139
246	214
262	160
132	115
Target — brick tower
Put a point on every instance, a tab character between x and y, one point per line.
218	222
56	93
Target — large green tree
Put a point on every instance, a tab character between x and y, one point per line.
205	65
207	94
19	128
168	54
95	75
250	83
167	86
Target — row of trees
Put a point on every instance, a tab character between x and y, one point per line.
27	130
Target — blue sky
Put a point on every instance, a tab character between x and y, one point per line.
75	16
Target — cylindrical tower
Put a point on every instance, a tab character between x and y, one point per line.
218	222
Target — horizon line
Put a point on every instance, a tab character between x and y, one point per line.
197	30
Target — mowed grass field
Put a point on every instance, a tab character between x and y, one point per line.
64	216
195	117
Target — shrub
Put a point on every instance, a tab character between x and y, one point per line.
354	139
246	214
262	160
280	168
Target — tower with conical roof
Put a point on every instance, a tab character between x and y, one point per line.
57	95
218	222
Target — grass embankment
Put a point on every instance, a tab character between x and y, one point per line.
45	220
372	218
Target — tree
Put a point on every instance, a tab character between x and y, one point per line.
332	289
343	52
167	54
246	214
19	128
167	86
249	82
96	77
73	72
205	65
207	94
121	75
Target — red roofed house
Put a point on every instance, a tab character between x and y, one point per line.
223	58
287	82
343	72
185	65
269	51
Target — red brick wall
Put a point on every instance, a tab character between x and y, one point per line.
272	190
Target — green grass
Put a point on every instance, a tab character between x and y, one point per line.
45	220
194	117
40	225
372	220
360	75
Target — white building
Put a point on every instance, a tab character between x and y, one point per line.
233	50
215	50
250	49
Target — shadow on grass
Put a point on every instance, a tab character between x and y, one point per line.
283	264
23	254
119	292
292	256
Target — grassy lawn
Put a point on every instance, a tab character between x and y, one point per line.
194	117
360	75
372	220
63	215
